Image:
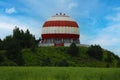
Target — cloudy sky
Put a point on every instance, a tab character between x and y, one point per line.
99	20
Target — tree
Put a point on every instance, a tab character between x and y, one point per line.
7	41
95	51
16	42
110	57
26	39
1	46
17	34
29	39
14	52
2	57
73	50
118	64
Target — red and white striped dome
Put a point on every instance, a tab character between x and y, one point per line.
60	26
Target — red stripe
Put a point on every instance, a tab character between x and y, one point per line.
59	44
60	23
46	36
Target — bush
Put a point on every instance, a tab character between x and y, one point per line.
73	50
8	63
95	52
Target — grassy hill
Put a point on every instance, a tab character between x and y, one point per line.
59	56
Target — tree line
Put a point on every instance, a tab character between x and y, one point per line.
13	44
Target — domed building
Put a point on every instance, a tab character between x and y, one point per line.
60	30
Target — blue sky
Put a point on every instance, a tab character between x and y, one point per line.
99	20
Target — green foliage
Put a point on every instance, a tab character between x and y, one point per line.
96	52
43	57
2	57
7	42
30	58
4	61
109	58
25	39
14	51
8	63
73	50
13	45
57	56
118	64
1	45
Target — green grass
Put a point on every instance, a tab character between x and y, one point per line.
58	73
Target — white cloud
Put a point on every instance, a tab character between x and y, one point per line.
7	24
109	37
85	39
10	10
4	25
114	17
105	40
47	8
72	5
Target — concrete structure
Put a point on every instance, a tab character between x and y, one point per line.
60	30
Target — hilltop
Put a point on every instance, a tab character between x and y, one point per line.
60	56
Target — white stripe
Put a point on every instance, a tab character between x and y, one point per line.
60	30
62	18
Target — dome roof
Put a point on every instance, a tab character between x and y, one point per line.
60	17
60	26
